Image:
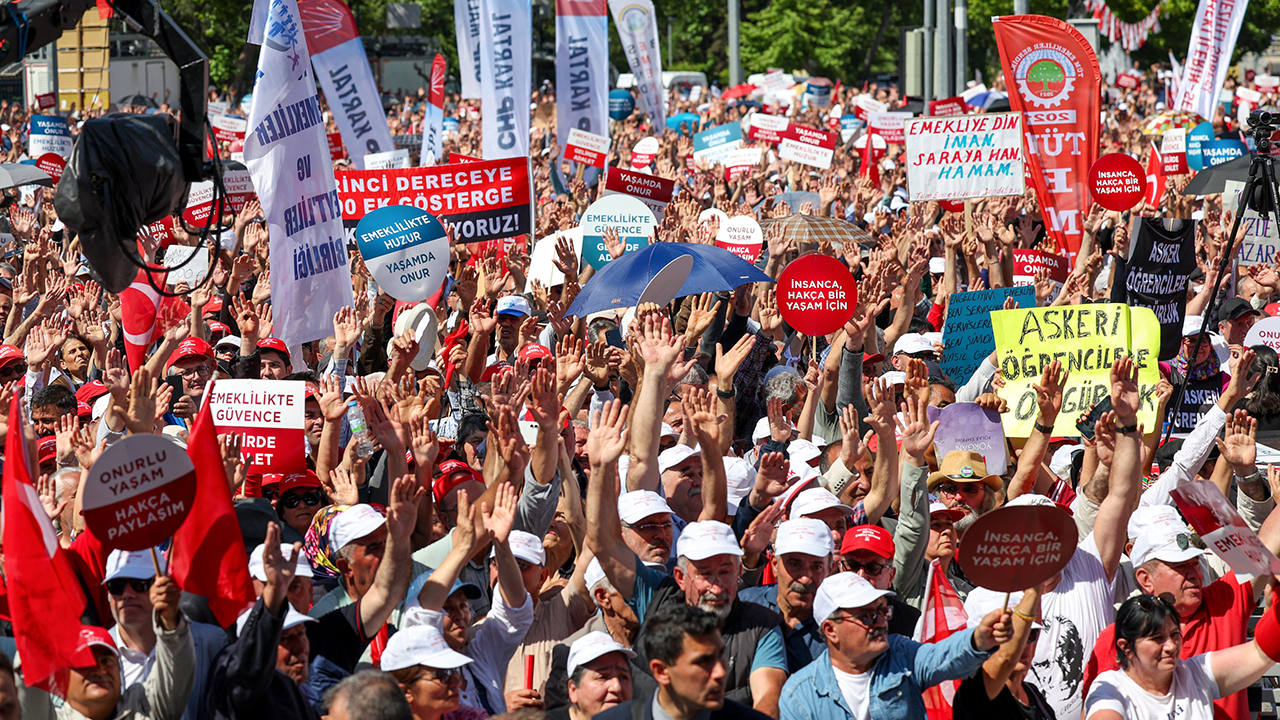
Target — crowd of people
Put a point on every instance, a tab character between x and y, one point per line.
697	513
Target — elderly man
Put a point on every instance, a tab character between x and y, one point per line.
868	551
688	660
962	482
129	578
820	504
866	672
360	539
801	561
680	469
647	527
599	677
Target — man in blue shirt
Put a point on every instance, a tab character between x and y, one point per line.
801	561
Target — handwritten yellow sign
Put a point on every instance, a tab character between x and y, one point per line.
1086	339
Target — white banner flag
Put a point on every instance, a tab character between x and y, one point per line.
1213	39
506	64
582	68
287	153
433	117
639	34
466	23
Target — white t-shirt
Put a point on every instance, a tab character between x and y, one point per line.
857	692
1190	696
1075	613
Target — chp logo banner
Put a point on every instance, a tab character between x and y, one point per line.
139	492
655	192
1087	339
964	157
1213	40
1055	83
506	64
634	20
268	416
805	145
433	116
288	157
343	70
49	134
483	200
714	145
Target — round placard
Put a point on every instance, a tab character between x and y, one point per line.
1015	548
139	492
1117	182
816	294
405	249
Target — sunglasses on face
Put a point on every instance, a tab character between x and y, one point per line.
15	370
868	618
142	587
444	677
311	497
873	569
270	493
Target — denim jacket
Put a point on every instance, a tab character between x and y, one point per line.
899	678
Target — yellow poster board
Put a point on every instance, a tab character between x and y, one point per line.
1086	339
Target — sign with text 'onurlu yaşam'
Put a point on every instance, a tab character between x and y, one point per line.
268	415
970	156
967	333
1015	548
742	236
816	294
139	492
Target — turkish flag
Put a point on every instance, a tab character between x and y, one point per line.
1156	179
46	601
145	315
208	556
943	615
870	168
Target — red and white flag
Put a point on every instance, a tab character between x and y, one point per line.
943	616
45	599
870	166
145	315
1156	179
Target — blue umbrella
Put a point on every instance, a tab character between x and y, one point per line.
619	283
689	120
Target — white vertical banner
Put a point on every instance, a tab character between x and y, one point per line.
1213	39
506	64
287	153
582	68
638	30
342	67
433	117
466	23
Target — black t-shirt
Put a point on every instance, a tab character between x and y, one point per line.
338	637
971	703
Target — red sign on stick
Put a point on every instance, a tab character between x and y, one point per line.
1223	530
53	164
1014	548
947	106
336	150
1117	182
46	101
816	294
585	148
139	492
268	415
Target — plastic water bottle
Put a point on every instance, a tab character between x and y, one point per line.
360	434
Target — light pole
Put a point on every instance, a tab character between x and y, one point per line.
735	61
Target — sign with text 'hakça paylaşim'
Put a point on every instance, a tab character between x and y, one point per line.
1086	339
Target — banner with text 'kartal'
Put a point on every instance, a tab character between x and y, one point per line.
466	24
432	151
506	64
582	68
287	153
342	67
638	31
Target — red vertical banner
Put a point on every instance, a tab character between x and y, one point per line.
1054	82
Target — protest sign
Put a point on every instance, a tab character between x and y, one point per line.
655	192
584	147
768	128
643	152
849	124
187	264
1196	138
1127	81
1161	259
46	101
336	150
623	213
1267	83
741	236
53	164
721	217
1223	530
484	200
228	128
685	123
1264	332
1117	182
713	145
888	125
967	335
389	160
816	294
740	161
1086	339
138	492
49	134
1173	151
1026	263
268	416
460	159
964	157
1261	236
1216	152
1249	95
621	104
814	148
969	426
405	249
867	104
1019	547
947	106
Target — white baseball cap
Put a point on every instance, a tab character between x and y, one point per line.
591	646
762	431
421	645
982	601
258	572
1149	515
292	618
594	574
1170	543
673	456
1060	463
805	536
637	505
912	343
132	565
228	340
800	450
701	540
1192	325
844	591
668	431
894	377
1032	499
527	547
816	500
512	305
354	523
937	265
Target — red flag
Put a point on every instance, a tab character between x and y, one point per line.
438	69
46	602
869	167
1156	179
1054	82
208	555
943	616
146	315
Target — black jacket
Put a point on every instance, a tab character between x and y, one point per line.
246	684
641	708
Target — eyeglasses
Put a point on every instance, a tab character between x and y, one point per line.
310	497
202	371
868	618
947	488
444	677
873	569
142	587
270	493
650	527
15	370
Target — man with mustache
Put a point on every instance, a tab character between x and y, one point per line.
801	561
868	550
962	482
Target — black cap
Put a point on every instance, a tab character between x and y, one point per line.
1234	307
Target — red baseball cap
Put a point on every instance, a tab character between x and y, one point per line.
91	635
84	409
91	391
494	369
872	357
451	476
298	481
48	450
534	351
217	327
213	306
191	347
275	344
868	537
10	353
270	479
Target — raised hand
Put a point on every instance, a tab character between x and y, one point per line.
608	437
1239	447
728	364
232	463
917	431
402	512
544	402
500	519
1124	390
1053	379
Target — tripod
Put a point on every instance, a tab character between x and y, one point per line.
1260	196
